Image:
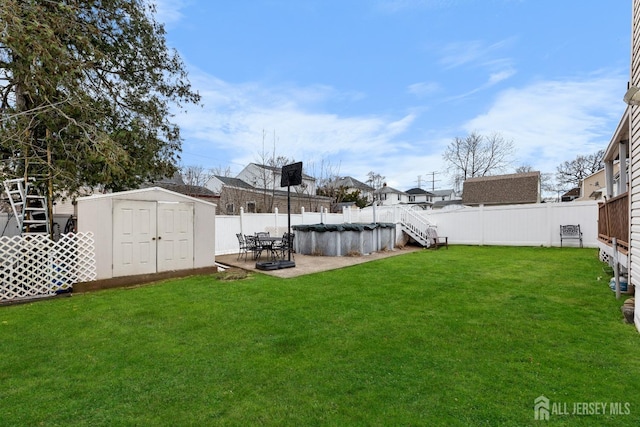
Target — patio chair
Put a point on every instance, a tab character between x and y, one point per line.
287	244
253	246
242	246
435	240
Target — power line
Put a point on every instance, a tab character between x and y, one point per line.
433	180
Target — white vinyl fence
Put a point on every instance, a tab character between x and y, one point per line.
518	225
35	265
511	225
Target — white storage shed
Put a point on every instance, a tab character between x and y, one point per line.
146	231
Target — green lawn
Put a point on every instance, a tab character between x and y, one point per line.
468	336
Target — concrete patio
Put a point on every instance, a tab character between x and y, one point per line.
306	264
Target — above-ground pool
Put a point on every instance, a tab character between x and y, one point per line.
344	239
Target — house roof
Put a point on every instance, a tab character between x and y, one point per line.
502	189
440	193
350	182
418	191
234	182
442	203
188	190
574	192
243	185
387	189
278	169
177	185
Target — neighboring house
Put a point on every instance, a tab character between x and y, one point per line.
388	196
177	185
444	195
351	185
420	197
268	177
570	195
235	193
447	204
509	189
594	187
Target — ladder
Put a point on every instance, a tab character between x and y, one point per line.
28	205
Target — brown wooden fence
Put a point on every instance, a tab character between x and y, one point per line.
613	221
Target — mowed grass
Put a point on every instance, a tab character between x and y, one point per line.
469	336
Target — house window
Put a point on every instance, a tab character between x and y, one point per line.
398	197
412	198
230	209
251	207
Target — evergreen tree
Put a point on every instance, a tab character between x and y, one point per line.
86	89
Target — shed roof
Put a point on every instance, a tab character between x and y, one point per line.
132	194
502	189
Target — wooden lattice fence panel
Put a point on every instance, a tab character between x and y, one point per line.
35	265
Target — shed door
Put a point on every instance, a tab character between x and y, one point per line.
175	236
134	237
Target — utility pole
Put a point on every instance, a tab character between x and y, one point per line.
433	180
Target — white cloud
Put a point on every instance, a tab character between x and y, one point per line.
499	76
475	52
549	122
168	11
423	88
234	119
554	121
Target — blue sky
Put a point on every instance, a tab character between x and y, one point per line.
353	86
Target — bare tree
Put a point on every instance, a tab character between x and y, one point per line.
570	173
220	171
195	176
266	179
325	174
478	155
375	180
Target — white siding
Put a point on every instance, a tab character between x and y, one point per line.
634	202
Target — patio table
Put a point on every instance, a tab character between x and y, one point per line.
270	244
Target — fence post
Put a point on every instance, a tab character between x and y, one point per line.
616	266
482	225
275	212
242	220
302	215
548	222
